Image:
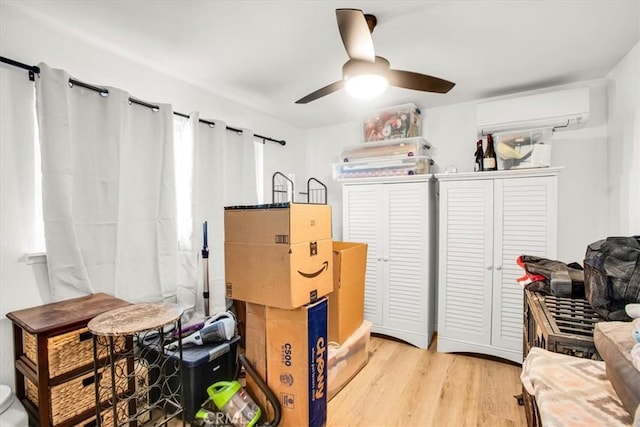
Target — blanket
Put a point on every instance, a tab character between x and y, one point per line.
572	391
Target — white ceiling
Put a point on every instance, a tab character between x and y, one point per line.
268	54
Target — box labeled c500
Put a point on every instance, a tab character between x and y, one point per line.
289	349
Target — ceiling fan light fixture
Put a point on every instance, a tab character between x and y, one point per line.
366	86
365	79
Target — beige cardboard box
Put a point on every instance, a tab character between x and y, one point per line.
286	223
278	256
284	276
255	352
346	302
288	348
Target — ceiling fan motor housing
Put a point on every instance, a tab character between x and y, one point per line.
357	67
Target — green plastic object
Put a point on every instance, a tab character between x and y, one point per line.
222	391
204	418
231	398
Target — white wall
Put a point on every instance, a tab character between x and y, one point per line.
623	88
324	146
30	41
451	130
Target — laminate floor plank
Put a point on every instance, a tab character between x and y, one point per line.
403	385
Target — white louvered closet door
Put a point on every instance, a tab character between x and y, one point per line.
466	236
361	223
486	221
525	224
394	219
404	257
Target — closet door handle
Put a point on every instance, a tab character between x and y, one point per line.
499	267
385	259
489	267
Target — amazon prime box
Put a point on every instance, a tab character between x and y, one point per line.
288	349
278	255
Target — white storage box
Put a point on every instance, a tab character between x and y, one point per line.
523	149
373	167
346	361
402	147
401	121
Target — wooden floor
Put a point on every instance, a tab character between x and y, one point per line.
402	385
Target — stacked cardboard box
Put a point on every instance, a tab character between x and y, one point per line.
346	302
279	259
289	349
278	255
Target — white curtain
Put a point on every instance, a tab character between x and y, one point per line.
19	288
109	199
224	174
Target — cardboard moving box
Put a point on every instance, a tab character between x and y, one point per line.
288	348
346	302
281	223
278	255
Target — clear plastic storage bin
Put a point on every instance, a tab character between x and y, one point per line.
523	149
381	167
402	121
404	147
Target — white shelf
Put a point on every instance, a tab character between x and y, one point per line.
512	173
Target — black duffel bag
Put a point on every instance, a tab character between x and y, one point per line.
612	276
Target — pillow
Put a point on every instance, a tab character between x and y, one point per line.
614	342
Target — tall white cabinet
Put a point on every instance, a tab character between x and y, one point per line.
395	217
486	220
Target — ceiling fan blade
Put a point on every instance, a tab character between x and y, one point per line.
416	81
321	92
355	34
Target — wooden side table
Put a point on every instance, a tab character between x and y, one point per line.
54	364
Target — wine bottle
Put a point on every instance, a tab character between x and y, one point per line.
489	162
478	166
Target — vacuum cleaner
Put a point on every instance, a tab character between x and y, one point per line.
235	405
219	328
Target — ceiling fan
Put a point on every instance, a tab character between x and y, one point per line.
363	65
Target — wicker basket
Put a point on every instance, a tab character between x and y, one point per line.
74	397
68	351
106	416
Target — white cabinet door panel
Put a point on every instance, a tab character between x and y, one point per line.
465	277
361	205
405	262
524	226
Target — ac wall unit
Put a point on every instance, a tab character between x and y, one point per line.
565	109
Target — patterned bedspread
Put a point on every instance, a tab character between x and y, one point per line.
571	391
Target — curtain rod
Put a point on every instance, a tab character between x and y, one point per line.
32	69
